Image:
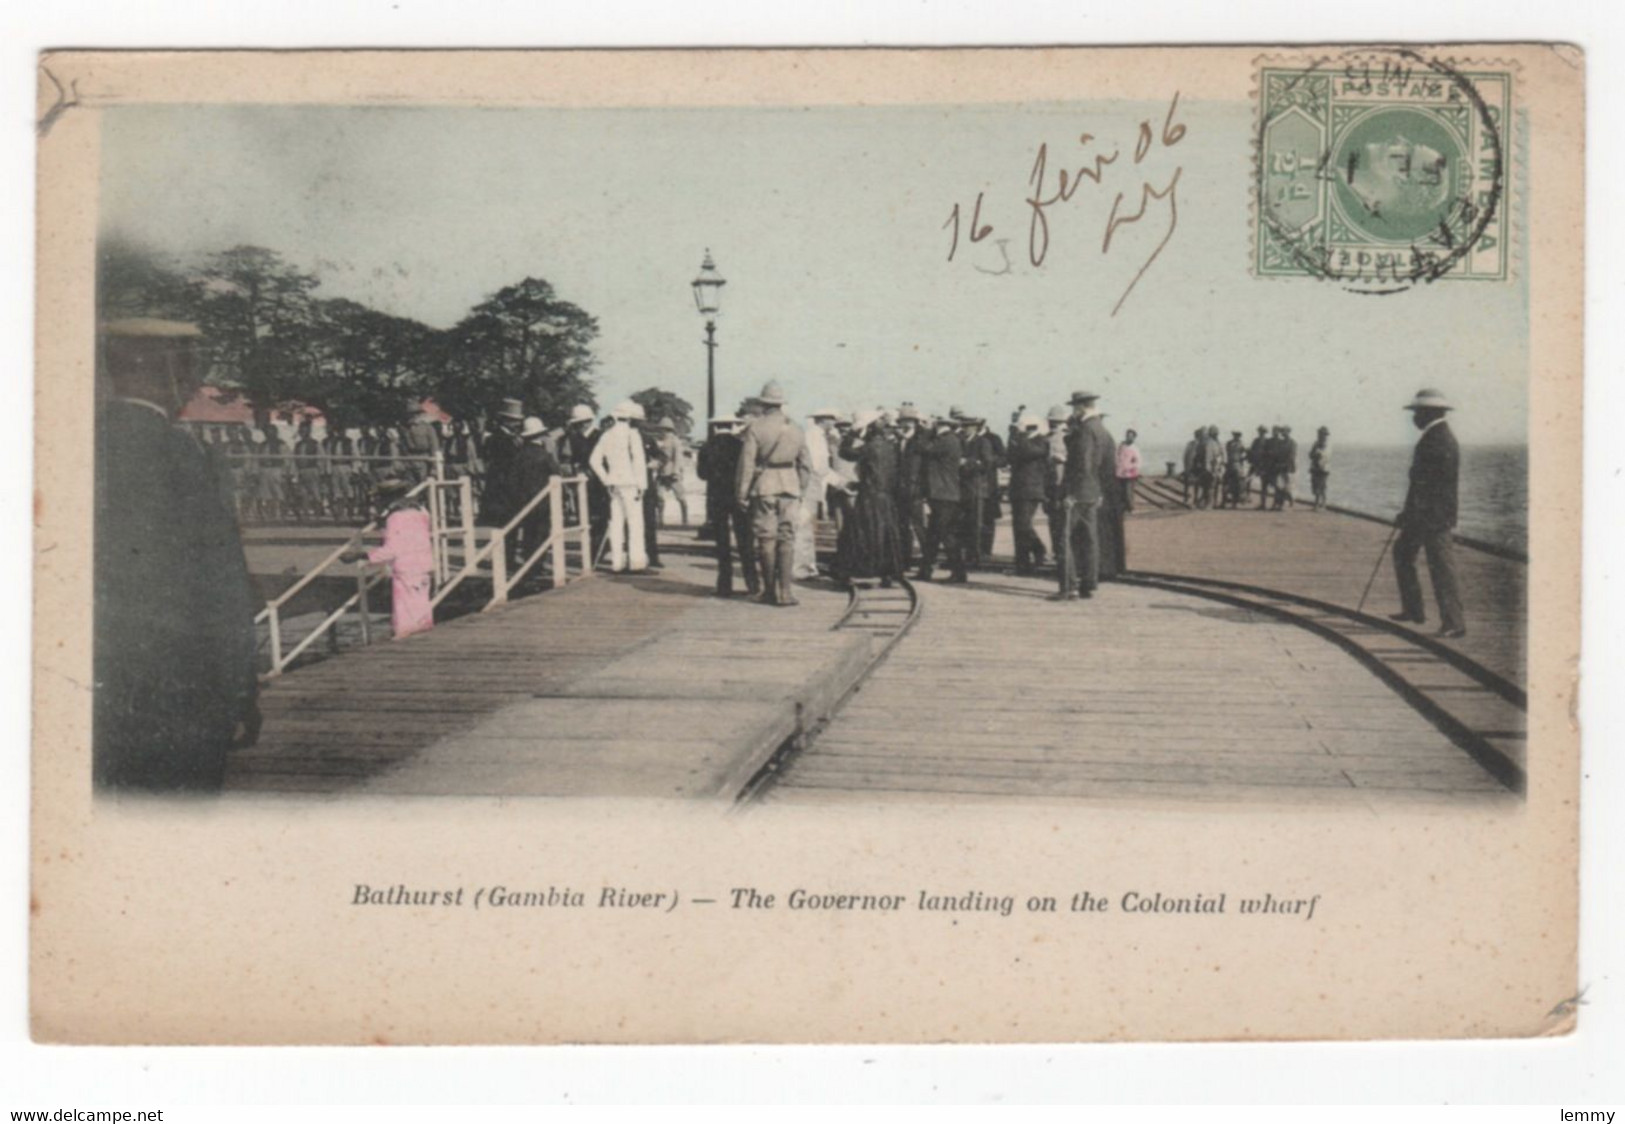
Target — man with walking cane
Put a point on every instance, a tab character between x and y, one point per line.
1429	519
1090	458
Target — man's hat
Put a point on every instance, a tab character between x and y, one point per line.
966	419
908	411
625	411
1057	413
955	413
666	424
1324	432
1429	400
1286	429
512	409
1083	397
581	412
865	418
1031	421
1235	433
724	419
772	394
533	427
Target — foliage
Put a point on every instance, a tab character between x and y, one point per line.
275	341
659	404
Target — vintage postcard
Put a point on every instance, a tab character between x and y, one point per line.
831	546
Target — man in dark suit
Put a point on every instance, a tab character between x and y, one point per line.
1429	519
175	683
944	458
1029	470
911	443
719	468
1090	459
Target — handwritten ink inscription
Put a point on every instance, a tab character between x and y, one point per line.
1051	190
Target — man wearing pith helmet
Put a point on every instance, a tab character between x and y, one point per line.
773	474
1429	518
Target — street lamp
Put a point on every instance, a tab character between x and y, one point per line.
708	299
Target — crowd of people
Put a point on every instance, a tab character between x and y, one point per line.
1224	475
909	490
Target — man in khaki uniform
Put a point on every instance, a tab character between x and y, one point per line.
774	468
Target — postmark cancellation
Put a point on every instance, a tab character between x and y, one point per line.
1382	170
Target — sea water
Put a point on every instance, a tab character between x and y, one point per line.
1493	496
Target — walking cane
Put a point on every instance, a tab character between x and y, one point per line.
1378	566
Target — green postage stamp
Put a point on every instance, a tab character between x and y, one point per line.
1382	170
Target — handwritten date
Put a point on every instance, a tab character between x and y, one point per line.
1053	189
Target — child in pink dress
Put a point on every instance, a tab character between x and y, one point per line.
409	550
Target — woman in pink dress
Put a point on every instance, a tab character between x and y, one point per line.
409	550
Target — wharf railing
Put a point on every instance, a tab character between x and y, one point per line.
458	556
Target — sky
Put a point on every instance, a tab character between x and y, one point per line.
832	228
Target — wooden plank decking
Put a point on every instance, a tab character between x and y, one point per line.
629	686
649	686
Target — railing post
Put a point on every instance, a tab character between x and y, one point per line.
361	605
585	517
555	514
276	640
439	464
465	501
499	567
437	527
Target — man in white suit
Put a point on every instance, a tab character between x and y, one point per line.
617	460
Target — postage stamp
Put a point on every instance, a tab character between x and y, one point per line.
1382	170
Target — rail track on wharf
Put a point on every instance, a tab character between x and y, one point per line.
1184	686
884	613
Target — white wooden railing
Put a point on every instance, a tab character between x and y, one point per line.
451	517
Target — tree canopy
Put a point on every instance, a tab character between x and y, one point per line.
273	339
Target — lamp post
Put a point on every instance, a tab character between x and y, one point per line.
708	299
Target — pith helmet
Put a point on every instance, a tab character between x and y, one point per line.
772	394
666	424
1031	421
1429	400
625	411
533	427
1057	413
824	412
908	412
581	413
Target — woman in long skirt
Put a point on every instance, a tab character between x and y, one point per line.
870	544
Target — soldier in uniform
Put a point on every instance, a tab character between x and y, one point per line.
944	458
1029	470
580	435
1090	461
1286	468
1429	519
719	468
1258	464
307	460
1057	419
1320	466
911	443
175	683
1235	471
774	470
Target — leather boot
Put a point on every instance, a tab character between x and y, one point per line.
786	567
767	559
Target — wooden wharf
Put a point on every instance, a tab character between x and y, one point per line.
1231	665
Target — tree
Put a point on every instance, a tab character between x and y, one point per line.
133	280
372	367
258	316
521	342
659	404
